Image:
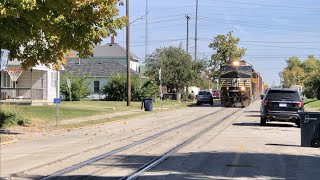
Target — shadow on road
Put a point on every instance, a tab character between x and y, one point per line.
212	165
4	131
252	111
253	115
286	145
205	105
268	124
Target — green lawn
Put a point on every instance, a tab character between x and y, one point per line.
312	103
76	109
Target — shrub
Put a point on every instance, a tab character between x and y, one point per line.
79	87
150	89
309	93
116	88
11	116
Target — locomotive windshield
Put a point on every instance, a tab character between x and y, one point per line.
236	68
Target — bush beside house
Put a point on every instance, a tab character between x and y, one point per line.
115	90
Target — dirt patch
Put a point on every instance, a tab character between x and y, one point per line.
4	139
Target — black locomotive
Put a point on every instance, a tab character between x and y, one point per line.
240	84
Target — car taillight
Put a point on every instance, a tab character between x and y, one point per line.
299	104
265	102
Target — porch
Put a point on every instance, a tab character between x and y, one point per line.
31	86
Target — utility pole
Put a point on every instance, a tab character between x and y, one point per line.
196	33
147	32
188	18
128	54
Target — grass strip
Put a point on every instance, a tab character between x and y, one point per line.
100	121
313	104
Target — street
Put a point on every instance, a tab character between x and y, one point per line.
199	142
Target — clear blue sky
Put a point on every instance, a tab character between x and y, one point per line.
271	30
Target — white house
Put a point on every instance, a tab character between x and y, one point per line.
35	85
98	71
108	60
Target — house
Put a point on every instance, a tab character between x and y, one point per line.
98	72
112	51
35	85
108	60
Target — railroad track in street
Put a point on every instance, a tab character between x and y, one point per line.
157	160
123	148
102	146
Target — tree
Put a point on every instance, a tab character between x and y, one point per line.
311	64
178	69
43	31
225	48
293	73
311	68
306	73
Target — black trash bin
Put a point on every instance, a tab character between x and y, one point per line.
310	129
147	104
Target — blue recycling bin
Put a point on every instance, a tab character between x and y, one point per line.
310	129
147	104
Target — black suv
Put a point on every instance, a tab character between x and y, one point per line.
281	105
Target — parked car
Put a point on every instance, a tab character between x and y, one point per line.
204	97
281	105
216	94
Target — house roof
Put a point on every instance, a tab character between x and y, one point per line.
96	68
111	50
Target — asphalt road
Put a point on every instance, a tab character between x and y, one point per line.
235	147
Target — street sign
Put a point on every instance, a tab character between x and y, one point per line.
56	100
4	59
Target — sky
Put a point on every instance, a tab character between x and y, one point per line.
270	30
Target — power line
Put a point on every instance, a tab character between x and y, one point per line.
170	16
259	16
278	46
180	7
154	43
272	42
261	25
271	5
248	7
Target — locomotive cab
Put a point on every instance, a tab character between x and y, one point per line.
236	83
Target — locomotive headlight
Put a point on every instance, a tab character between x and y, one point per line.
243	88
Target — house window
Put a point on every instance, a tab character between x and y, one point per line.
96	86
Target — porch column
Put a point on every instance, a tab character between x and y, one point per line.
31	96
0	86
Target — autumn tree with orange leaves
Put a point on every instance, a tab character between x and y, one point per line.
43	31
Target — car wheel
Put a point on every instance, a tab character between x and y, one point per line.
211	102
198	103
263	121
298	123
315	143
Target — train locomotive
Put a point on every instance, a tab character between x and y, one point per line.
239	83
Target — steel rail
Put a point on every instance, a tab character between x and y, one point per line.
88	150
154	162
110	153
